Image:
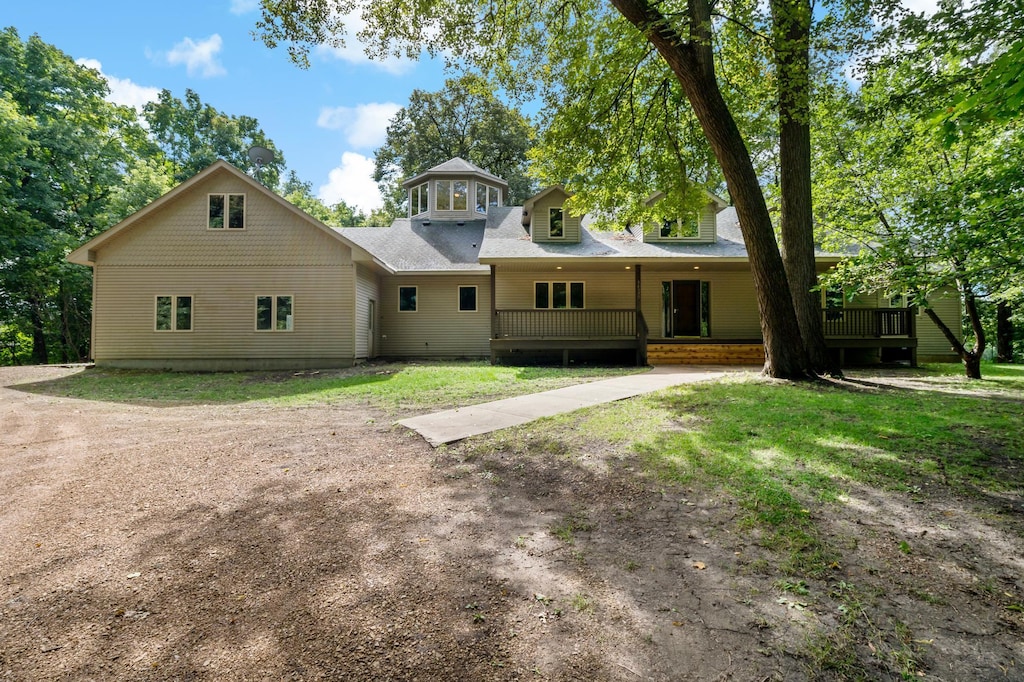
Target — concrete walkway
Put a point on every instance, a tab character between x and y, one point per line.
453	425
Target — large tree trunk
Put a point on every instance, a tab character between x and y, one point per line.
792	22
1004	332
692	62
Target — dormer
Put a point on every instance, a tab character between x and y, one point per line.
547	218
696	227
456	190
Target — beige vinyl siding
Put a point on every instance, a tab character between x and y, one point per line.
734	313
607	290
172	252
367	288
177	234
931	343
540	227
437	328
223	315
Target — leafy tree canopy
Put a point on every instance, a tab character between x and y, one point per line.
462	119
194	135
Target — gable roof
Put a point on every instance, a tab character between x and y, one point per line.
83	255
452	167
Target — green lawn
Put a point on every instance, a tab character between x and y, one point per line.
391	387
788	450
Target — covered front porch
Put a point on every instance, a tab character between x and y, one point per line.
663	313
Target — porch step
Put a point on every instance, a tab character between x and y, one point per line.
705	353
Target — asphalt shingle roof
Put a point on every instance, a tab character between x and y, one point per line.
411	245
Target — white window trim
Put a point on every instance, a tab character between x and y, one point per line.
273	313
227	210
416	289
174	313
551	294
476	298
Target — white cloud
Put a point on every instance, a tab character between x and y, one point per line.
123	90
198	57
365	125
352	182
244	6
928	7
354	52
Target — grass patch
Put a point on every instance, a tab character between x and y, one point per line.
392	386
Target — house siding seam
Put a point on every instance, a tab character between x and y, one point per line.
437	328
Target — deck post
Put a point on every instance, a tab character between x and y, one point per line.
912	333
494	307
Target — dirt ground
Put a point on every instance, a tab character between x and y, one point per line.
257	542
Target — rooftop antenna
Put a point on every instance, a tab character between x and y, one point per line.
260	156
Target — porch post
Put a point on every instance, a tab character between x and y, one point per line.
494	308
641	335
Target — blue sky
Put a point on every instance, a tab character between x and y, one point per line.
328	120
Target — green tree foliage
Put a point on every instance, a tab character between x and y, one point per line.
63	149
463	119
193	135
300	194
986	38
930	214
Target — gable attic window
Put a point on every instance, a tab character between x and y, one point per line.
486	197
418	199
226	210
555	226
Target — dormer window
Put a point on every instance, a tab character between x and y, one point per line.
419	199
680	228
486	197
556	228
226	210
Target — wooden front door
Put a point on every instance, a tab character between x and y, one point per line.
686	307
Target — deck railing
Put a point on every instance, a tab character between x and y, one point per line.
868	322
564	324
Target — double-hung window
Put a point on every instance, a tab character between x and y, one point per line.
173	314
274	313
226	210
558	295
